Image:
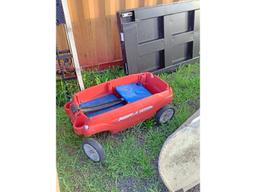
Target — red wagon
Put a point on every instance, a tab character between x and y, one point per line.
117	105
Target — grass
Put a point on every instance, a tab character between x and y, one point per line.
89	78
131	156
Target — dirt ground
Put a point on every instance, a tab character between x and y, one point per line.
195	189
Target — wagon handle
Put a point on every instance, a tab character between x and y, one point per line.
74	108
101	106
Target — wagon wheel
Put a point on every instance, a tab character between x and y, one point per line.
93	150
165	114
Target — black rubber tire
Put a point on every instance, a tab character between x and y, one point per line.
162	112
95	147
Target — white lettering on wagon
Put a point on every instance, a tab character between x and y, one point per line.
135	113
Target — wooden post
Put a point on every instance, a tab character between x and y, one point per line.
71	42
57	183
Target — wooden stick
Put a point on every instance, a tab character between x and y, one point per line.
71	42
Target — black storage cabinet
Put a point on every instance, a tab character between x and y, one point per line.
159	38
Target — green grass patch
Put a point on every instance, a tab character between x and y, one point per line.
90	78
131	156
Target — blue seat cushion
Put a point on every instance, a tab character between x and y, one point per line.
133	92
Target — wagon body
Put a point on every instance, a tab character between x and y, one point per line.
122	116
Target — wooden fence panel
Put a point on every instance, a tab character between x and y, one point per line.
95	29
